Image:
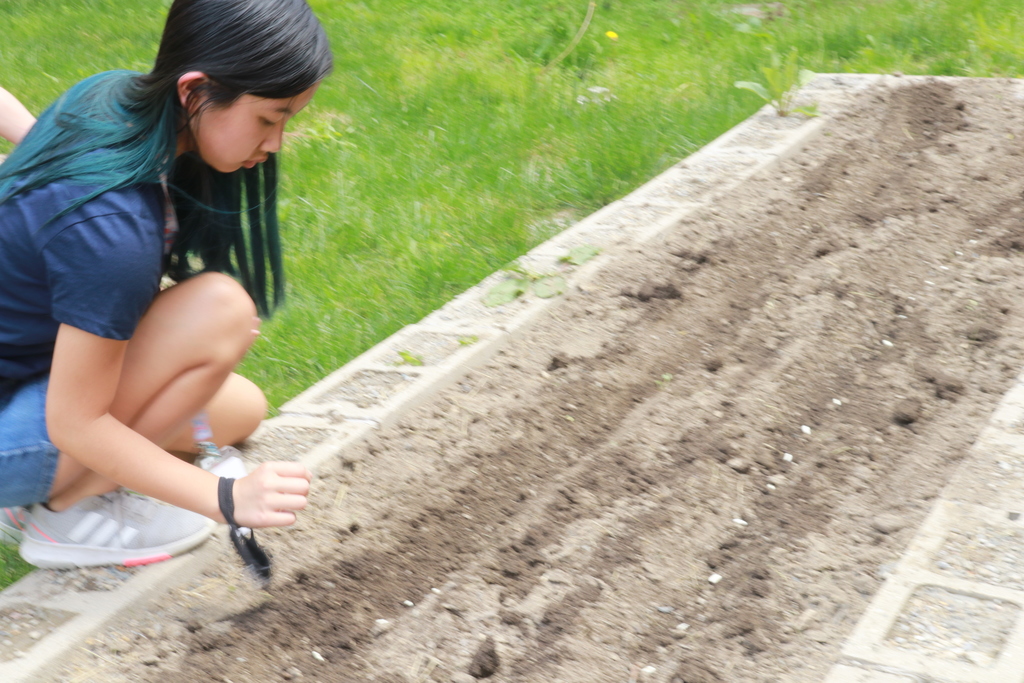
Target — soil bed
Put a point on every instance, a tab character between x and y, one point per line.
773	394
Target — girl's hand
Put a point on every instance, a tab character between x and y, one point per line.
271	495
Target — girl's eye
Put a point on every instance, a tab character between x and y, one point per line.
266	122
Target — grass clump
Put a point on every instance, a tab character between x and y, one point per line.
12	567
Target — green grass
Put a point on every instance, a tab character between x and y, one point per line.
12	567
443	141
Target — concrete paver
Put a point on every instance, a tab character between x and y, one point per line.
953	608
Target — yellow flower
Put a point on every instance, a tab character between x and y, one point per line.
612	34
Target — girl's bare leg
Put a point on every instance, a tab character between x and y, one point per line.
179	361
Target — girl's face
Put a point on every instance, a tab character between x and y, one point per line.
244	132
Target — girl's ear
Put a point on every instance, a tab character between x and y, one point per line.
187	84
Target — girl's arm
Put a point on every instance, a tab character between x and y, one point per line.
83	381
15	120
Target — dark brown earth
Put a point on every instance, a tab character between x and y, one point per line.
811	356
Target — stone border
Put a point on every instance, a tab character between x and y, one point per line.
371	392
985	494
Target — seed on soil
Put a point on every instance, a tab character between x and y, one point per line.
714	578
648	670
318	657
381	626
886	342
837	401
805	429
788	457
666	609
741	522
408	603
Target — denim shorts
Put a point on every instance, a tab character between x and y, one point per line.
28	461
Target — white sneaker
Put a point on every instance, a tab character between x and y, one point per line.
12	524
121	527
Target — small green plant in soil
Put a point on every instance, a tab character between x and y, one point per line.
783	78
520	281
577	256
468	340
663	382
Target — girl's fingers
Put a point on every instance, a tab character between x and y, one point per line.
289	469
296	485
287	503
279	518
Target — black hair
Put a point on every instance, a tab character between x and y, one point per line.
267	48
121	128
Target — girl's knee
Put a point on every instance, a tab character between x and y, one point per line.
222	295
213	308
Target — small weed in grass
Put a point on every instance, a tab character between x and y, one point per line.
783	78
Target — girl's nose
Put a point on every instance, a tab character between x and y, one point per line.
272	143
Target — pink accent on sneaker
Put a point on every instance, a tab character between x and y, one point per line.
17	520
139	561
42	533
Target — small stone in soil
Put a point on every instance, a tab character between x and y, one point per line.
485	662
680	630
714	578
739	464
888	523
666	610
291	673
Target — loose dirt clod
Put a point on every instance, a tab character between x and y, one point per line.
654	290
907	411
485	662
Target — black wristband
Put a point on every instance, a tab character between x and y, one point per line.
255	558
226	500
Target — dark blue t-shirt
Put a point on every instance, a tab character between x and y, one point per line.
96	268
